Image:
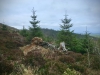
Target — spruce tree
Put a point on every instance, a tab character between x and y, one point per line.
35	30
65	34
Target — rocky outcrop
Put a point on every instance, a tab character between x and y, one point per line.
37	44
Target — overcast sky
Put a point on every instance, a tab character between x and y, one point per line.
84	13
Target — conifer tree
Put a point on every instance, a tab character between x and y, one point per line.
71	41
35	30
65	34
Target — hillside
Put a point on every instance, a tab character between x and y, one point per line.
53	33
34	59
9	50
50	33
37	58
8	27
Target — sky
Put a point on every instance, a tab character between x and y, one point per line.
83	13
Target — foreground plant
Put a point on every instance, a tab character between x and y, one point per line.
71	72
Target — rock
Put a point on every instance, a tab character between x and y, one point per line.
36	41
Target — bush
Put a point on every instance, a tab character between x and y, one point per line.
71	72
7	59
79	68
20	69
5	67
53	68
66	59
76	56
95	62
34	58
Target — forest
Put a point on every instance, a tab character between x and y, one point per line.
21	53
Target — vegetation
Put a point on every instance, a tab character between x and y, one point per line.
4	27
72	41
71	72
65	34
82	57
35	30
24	32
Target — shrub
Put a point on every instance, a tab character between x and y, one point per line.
34	58
79	68
5	67
20	69
66	59
58	53
53	68
50	55
71	72
95	62
7	59
76	56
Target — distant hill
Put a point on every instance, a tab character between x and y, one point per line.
95	35
53	33
49	32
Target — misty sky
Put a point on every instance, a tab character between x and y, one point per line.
84	13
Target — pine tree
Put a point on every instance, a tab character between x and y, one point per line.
71	41
66	24
65	34
35	30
